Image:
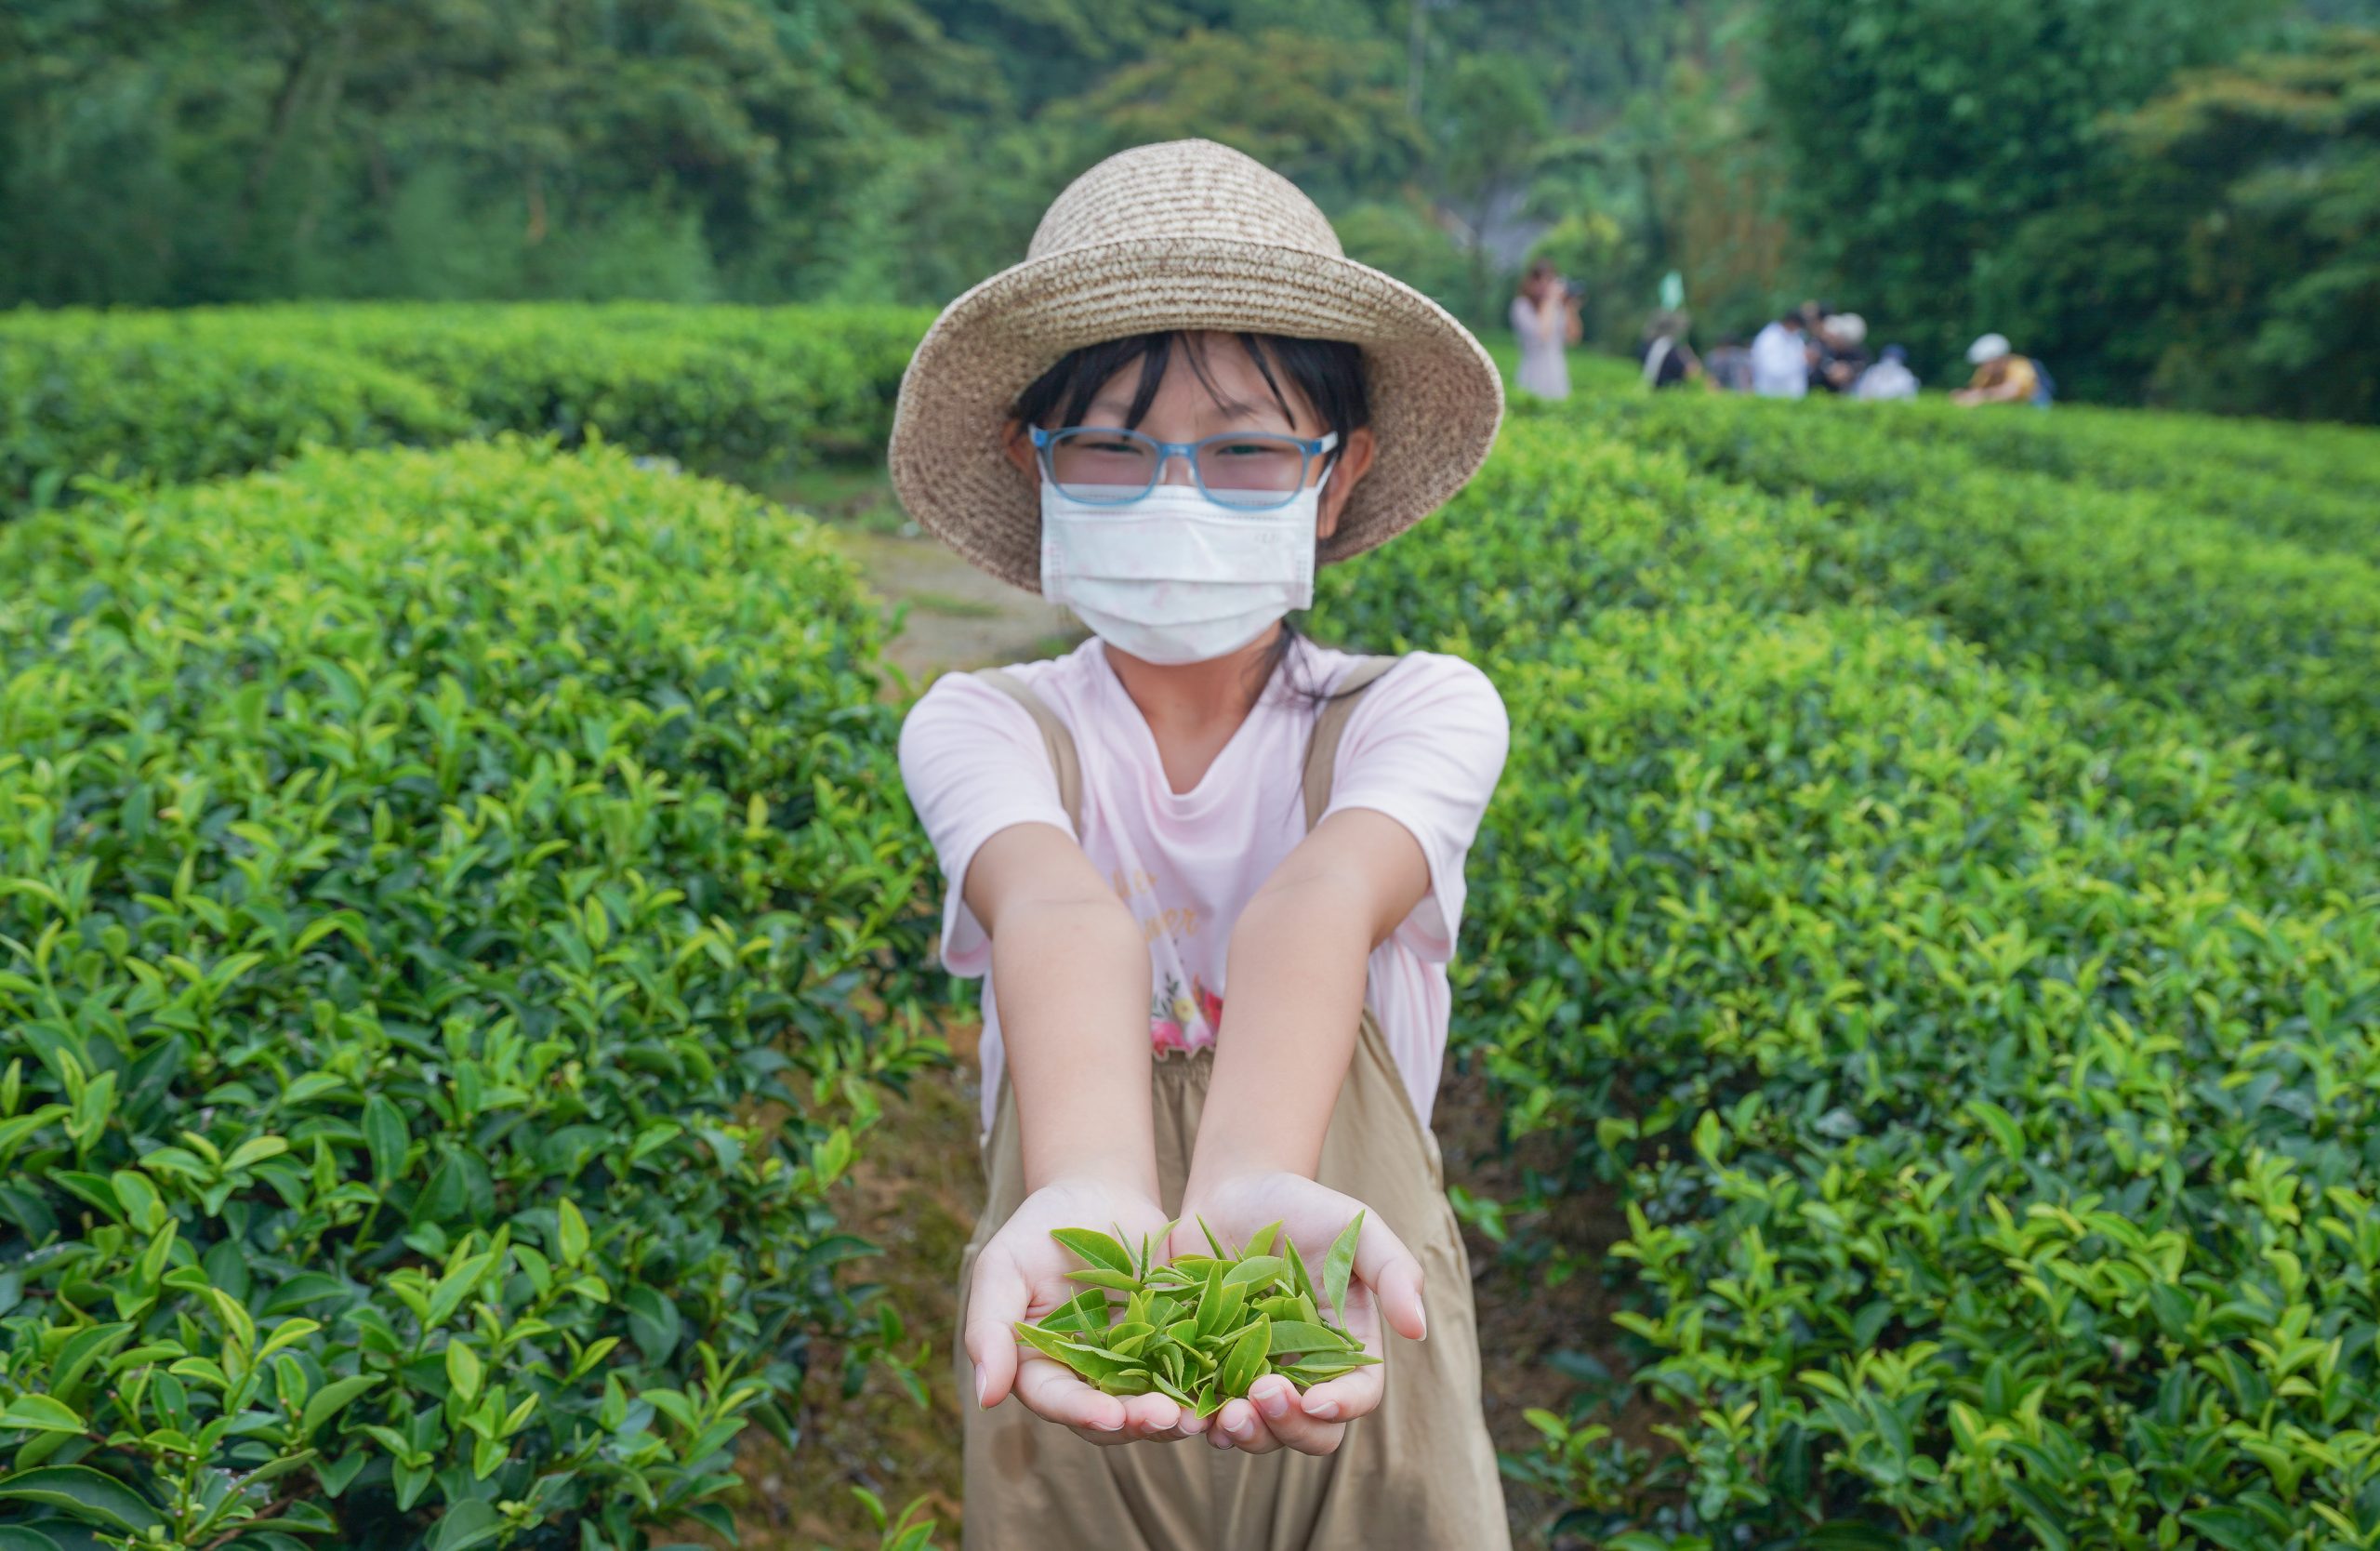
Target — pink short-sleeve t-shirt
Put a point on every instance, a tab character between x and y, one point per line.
1424	747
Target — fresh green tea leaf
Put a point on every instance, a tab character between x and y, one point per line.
1339	1266
1296	1336
1096	1249
1246	1360
1256	1272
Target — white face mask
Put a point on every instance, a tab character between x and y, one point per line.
1174	577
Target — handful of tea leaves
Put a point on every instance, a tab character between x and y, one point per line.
1202	1327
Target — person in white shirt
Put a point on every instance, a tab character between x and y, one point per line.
1780	364
1888	378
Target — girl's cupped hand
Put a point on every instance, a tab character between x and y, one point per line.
1385	1289
1021	1274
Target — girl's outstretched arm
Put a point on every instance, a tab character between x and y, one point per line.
1071	972
1298	960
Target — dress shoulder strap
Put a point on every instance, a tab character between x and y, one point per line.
1330	726
1064	760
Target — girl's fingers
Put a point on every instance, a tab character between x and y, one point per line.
1385	1265
1153	1416
1345	1398
1052	1393
1239	1426
997	1299
1286	1417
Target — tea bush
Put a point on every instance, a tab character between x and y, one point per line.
81	395
454	908
2193	608
1988	1058
740	391
2317	484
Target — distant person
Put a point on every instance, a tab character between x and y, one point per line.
1781	362
1890	379
1728	366
2002	376
1545	316
1843	345
1670	361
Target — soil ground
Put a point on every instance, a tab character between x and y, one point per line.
919	1187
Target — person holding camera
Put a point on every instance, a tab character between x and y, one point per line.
1545	316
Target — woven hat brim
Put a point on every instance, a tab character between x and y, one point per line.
1437	397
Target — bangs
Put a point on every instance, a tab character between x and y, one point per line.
1329	374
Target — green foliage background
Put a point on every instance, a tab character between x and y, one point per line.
2166	201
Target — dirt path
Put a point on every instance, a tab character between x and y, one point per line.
958	616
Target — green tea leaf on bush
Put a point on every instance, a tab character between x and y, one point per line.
84	1493
2228	1527
472	1521
463	1371
571	1238
40	1413
255	1150
653	1322
2002	1124
332	1398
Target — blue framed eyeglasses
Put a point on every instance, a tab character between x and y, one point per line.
1110	466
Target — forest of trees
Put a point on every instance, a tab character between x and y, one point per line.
2169	200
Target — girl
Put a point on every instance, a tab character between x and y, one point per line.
1209	871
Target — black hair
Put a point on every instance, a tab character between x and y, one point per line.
1328	373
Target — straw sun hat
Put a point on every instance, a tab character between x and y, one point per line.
1183	236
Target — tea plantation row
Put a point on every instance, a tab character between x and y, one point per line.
1988	1052
454	921
2203	569
170	396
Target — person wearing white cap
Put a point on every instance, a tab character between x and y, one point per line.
2001	375
1842	340
1209	870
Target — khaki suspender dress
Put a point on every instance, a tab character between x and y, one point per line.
1417	1473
